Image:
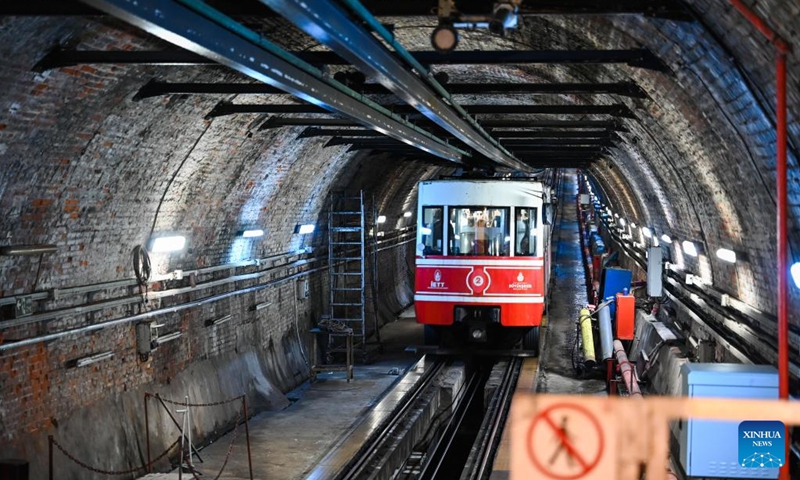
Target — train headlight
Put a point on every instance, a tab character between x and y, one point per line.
478	334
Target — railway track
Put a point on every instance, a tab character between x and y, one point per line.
448	425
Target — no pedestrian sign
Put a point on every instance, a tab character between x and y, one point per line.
562	441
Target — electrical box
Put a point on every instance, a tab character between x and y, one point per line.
626	316
303	290
710	448
654	272
612	282
144	339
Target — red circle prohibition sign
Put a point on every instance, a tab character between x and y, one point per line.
586	465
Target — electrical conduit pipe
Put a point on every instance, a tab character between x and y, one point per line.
627	371
585	320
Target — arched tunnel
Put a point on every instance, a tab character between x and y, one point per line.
126	122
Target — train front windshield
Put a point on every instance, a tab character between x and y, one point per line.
479	231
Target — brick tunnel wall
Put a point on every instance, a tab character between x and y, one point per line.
87	168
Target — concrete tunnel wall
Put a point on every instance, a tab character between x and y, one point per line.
96	173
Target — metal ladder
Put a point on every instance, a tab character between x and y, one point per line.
347	272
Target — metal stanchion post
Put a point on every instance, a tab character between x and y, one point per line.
247	434
147	430
50	455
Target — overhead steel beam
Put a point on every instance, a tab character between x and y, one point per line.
212	35
338	132
651	8
513	144
501	135
568	124
557	142
559	151
155	88
554	134
617	110
495	125
331	26
641	58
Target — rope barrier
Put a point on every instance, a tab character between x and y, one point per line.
112	472
149	464
184	404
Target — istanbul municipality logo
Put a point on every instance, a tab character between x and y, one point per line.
762	444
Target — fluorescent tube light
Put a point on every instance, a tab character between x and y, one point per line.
306	228
218	321
82	362
261	306
382	219
168	337
253	233
407	214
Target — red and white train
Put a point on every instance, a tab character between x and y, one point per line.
483	261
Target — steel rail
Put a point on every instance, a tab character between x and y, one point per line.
435	459
196	27
331	26
494	422
361	461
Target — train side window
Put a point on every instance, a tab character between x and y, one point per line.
526	221
431	230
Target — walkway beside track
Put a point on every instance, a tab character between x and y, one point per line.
568	296
288	444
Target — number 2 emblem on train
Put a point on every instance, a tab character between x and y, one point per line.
483	261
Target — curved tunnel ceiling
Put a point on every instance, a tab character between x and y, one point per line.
696	161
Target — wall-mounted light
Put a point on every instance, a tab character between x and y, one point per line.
261	306
407	214
82	362
646	232
726	255
27	249
796	274
621	221
666	238
689	248
425	231
162	339
633	225
304	228
168	244
218	321
381	219
252	233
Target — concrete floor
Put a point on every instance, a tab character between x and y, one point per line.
568	296
288	444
